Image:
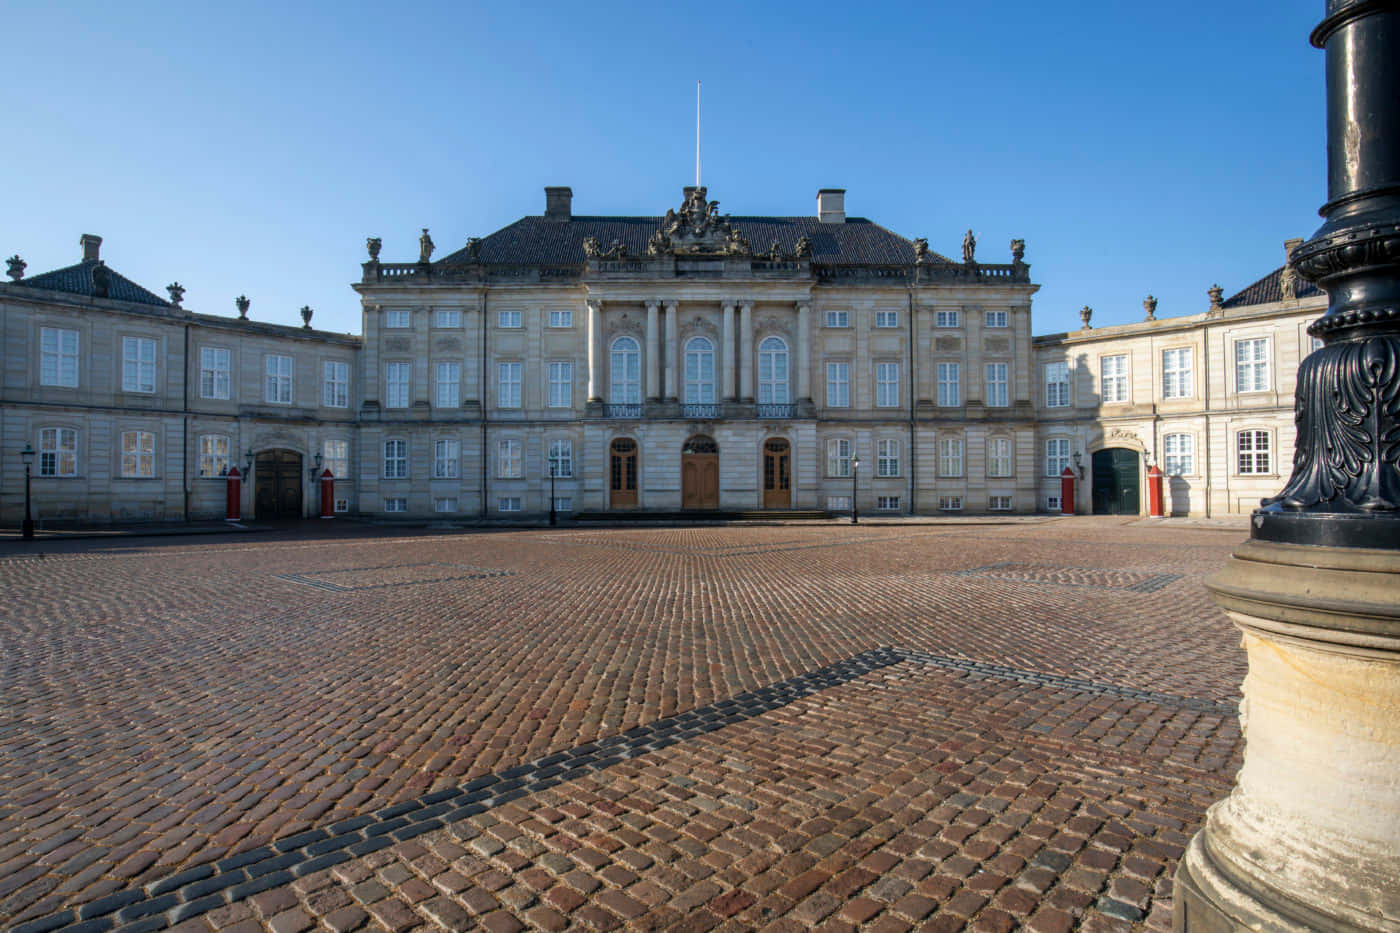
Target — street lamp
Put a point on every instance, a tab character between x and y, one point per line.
553	518
27	529
855	509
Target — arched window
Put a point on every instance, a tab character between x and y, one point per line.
772	371
625	372
699	372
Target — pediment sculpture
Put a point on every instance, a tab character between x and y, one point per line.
697	229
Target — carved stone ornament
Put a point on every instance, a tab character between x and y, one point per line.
697	229
1086	314
969	248
775	252
997	344
242	303
306	313
592	248
425	247
397	343
803	250
1149	304
373	244
699	325
16	270
947	343
177	293
921	250
101	279
474	248
1018	251
1216	293
1288	283
447	344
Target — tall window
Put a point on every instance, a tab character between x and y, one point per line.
214	367
58	452
946	317
508	377
508	460
886	385
887	457
446	452
138	364
58	357
561	384
838	385
138	454
396	384
1252	365
1113	373
335	384
699	371
213	455
509	319
561	458
396	459
1253	448
1179	454
564	318
448	317
278	383
336	458
999	456
625	372
398	317
838	457
1176	373
950	456
949	385
1056	385
995	319
886	318
773	371
1056	455
998	391
449	385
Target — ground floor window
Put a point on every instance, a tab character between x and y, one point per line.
838	503
1253	448
396	504
887	503
213	455
444	504
950	503
342	505
563	503
999	503
508	504
1179	454
1052	503
138	454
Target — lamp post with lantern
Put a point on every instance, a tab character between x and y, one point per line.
27	529
855	509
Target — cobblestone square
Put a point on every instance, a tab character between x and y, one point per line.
983	725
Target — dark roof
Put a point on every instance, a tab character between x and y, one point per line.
77	280
537	241
1267	290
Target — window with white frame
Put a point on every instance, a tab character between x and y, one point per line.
838	503
58	357
997	385
950	503
447	318
1179	454
138	364
335	456
446	453
396	384
277	384
342	504
398	317
449	385
773	371
1052	503
838	457
138	454
950	456
445	504
887	503
58	452
947	317
699	371
508	380
1176	373
999	456
508	318
999	503
215	366
508	459
625	372
335	384
838	385
396	459
396	504
887	457
886	318
886	385
561	318
1253	448
1057	385
508	504
838	319
561	384
1252	365
1056	455
213	455
949	385
994	319
1113	378
563	503
561	458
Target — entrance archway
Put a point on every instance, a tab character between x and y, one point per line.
700	473
622	474
277	484
1116	481
777	474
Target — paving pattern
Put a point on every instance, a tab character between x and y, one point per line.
777	727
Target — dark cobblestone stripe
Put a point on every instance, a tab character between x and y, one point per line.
308	579
1095	578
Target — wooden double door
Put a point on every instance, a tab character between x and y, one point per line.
622	474
777	474
700	473
277	485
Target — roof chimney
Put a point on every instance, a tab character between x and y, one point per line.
1289	246
558	203
831	205
91	245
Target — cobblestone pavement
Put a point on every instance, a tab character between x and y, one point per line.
746	727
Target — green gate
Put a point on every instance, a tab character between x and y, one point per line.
1116	478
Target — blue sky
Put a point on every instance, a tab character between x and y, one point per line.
250	148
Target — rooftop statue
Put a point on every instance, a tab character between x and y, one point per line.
425	246
697	228
969	247
373	244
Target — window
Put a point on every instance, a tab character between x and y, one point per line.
887	458
625	372
58	357
508	504
1052	503
396	504
508	464
887	503
1252	365
999	456
838	457
138	364
699	372
1113	372
335	384
838	503
508	376
445	504
335	456
838	385
950	503
838	319
1253	449
886	385
342	505
508	318
563	503
561	458
773	371
1179	452
997	389
447	317
278	387
58	452
1056	455
398	317
449	385
396	460
999	503
561	318
946	318
1056	385
214	365
446	452
950	456
396	377
561	384
138	454
886	318
949	385
213	455
995	319
1176	373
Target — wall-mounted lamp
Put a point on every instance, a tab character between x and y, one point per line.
1079	464
247	462
316	470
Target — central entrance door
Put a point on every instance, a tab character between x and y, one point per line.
777	474
1115	487
277	490
700	473
622	474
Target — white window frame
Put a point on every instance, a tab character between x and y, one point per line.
508	504
1052	504
215	373
1000	457
1057	456
950	457
510	378
397	318
445	504
884	319
449	384
277	379
563	503
561	317
887	503
996	319
396	504
1179	454
947	318
335	456
561	458
1259	452
509	319
139	365
138	454
999	503
335	384
1177	377
838	457
1113	379
1057	384
699	371
834	318
625	371
950	503
509	459
58	452
997	384
773	371
447	318
395	458
58	357
887	457
398	384
447	454
949	384
1252	364
561	384
213	456
887	385
838	384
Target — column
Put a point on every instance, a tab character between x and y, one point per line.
746	351
804	352
670	351
726	363
595	350
653	358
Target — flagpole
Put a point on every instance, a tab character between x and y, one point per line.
697	134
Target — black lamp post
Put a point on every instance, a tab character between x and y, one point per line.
553	518
855	509
27	529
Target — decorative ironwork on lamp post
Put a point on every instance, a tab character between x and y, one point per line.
27	528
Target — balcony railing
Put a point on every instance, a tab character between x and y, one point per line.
622	411
770	410
709	412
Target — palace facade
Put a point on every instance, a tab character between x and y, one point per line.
691	361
